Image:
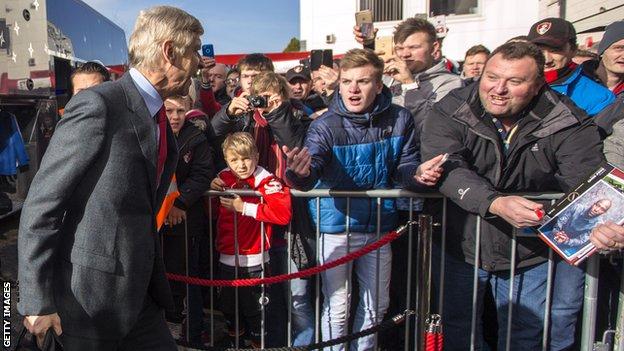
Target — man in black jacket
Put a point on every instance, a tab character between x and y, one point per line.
508	134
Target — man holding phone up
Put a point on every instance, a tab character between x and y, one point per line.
413	74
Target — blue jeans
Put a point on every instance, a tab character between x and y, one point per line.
529	300
302	312
567	299
334	322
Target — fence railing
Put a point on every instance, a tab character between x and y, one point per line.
417	275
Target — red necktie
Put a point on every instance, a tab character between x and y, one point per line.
162	145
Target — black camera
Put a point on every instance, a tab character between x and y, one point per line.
257	101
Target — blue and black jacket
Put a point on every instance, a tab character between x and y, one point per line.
375	150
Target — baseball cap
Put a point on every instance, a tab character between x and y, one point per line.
300	71
553	32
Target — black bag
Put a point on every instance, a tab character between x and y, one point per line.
28	342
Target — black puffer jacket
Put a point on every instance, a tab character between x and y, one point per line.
194	173
555	147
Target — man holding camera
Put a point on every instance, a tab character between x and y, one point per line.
262	116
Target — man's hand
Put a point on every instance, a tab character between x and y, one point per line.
217	184
608	236
397	69
239	105
39	325
561	237
359	37
298	160
273	103
207	63
516	210
318	113
330	77
232	204
176	216
428	173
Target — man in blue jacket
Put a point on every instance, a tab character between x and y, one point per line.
363	142
557	39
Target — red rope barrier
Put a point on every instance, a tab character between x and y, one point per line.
301	274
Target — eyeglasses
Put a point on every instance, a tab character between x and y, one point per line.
232	81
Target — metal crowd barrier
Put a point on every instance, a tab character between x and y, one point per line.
423	233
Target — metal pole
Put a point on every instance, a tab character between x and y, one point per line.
549	283
475	287
263	299
424	276
186	269
236	264
317	302
211	257
408	302
288	270
442	259
590	303
377	270
350	266
510	298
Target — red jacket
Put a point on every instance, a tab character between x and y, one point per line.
275	209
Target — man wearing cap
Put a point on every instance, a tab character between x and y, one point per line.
304	101
557	39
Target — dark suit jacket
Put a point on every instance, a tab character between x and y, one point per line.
87	242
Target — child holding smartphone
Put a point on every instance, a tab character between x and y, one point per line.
247	252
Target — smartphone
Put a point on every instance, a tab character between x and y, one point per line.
443	160
384	44
364	19
208	50
321	57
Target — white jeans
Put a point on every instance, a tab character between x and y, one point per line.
372	307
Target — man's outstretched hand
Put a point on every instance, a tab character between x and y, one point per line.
428	173
298	160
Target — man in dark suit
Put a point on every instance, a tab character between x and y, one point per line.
89	259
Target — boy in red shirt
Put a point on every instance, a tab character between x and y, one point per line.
245	256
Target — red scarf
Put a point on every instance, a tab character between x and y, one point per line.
555	76
618	89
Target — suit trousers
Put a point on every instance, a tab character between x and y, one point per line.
149	333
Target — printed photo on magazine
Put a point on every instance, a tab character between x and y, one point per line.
570	221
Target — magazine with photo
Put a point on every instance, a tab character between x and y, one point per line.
568	224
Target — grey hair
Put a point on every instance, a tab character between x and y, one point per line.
156	25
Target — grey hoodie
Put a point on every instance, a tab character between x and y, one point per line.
432	84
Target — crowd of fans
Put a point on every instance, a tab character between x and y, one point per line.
530	116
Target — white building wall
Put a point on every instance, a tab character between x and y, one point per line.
497	21
319	18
